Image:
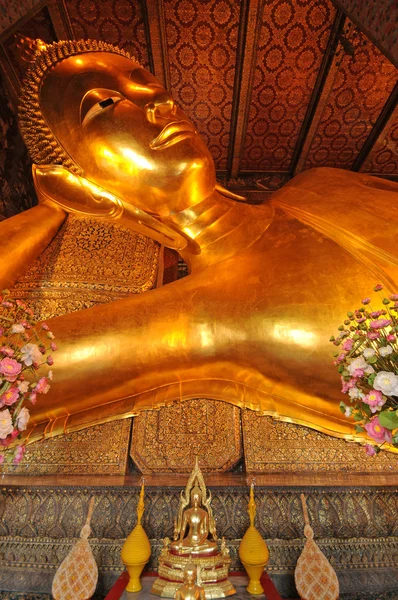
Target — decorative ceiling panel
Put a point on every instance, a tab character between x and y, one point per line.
292	41
363	81
119	22
384	155
39	26
202	40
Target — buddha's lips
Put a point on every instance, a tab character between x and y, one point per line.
172	133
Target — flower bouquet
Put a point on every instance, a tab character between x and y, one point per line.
23	351
368	365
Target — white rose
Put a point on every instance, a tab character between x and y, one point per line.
360	363
23	386
353	393
385	350
30	353
22	419
17	328
387	383
5	424
348	411
369	352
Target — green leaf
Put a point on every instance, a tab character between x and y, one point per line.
342	406
395	438
359	429
366	409
371	379
357	417
372	360
388	419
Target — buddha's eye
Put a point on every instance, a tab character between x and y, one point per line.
96	101
107	102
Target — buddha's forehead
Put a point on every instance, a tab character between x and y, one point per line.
79	74
65	86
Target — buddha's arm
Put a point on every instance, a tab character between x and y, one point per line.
24	237
184	525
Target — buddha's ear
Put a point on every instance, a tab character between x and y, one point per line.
228	194
80	196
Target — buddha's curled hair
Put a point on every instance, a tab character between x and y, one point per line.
43	146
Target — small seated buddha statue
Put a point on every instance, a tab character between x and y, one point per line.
195	548
197	520
189	589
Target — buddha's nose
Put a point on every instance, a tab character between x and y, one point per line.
163	106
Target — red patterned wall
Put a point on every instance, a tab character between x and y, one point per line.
119	22
202	44
292	41
383	157
361	86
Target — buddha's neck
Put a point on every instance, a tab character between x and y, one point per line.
219	229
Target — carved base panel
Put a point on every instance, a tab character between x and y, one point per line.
99	450
356	529
169	439
275	446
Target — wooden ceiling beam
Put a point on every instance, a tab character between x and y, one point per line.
249	29
318	97
377	19
153	11
377	129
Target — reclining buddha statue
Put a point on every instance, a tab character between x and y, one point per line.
268	284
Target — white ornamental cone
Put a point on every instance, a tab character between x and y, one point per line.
76	577
314	575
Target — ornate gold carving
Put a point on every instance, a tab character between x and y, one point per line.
168	440
88	262
100	450
271	445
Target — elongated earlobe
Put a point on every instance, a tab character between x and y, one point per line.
80	196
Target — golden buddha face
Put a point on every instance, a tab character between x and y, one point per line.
196	497
122	128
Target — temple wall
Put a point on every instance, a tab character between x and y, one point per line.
355	527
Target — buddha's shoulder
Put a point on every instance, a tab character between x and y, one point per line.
343	203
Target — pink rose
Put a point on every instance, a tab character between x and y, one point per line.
42	386
348	344
7	350
393	297
53	346
358	373
10	396
10	368
380	323
33	397
391	337
373	335
374	399
377	432
366	301
376	313
378	287
50	360
370	450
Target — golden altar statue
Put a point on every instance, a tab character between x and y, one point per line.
189	590
195	546
268	284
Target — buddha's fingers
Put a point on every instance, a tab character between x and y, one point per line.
24	237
